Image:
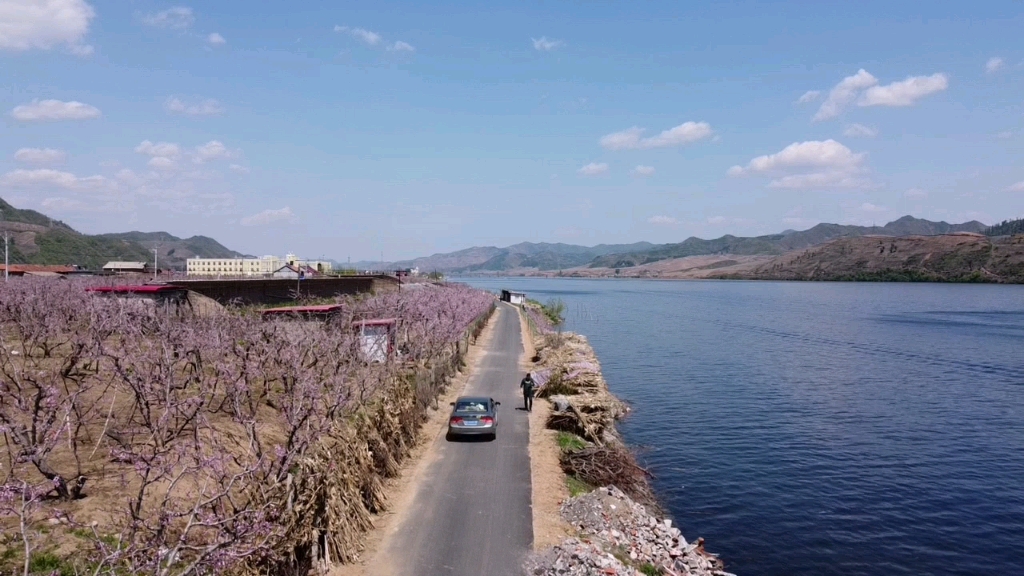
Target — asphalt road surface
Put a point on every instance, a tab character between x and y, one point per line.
471	514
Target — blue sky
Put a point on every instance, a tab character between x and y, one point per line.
407	128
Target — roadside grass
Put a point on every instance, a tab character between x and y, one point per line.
569	442
577	486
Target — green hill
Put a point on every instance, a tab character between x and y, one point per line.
38	239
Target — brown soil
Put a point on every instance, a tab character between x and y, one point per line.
402	488
949	257
546	478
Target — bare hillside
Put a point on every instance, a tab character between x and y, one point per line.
959	257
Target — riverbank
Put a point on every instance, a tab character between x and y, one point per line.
602	514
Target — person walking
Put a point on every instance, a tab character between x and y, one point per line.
529	387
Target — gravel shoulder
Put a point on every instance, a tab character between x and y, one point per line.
548	480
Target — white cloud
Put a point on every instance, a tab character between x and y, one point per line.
215	39
828	179
47	178
52	110
44	24
593	169
860	131
160	149
916	193
905	92
545	45
128	176
810	154
811	164
873	208
661	220
630	139
369	37
401	47
208	107
642	170
716	220
162	163
994	64
809	96
239	168
212	150
1005	134
843	94
269	216
39	155
176	18
1018	187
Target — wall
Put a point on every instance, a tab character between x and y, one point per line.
279	290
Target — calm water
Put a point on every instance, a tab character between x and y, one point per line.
822	428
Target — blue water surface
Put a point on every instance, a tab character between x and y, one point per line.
821	428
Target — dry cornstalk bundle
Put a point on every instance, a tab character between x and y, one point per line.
610	465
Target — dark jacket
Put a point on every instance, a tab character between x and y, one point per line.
528	386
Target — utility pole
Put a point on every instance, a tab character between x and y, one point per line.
156	258
7	263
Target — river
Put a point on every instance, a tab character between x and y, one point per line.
821	428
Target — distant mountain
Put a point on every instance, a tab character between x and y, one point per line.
546	257
175	251
775	244
12	214
540	256
38	239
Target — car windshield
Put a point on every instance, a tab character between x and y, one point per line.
471	406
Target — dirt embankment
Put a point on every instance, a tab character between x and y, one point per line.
611	519
947	258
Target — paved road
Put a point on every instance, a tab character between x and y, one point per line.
472	515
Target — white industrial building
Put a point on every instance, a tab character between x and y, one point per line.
265	266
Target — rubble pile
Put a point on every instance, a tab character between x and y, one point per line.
575	558
618	536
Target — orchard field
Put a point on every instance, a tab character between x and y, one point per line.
142	439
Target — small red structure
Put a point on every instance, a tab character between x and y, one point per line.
377	338
36	270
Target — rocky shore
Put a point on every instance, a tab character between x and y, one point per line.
618	536
616	524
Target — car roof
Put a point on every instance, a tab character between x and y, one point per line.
472	399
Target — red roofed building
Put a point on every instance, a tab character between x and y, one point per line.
35	270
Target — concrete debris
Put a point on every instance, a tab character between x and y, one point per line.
618	536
